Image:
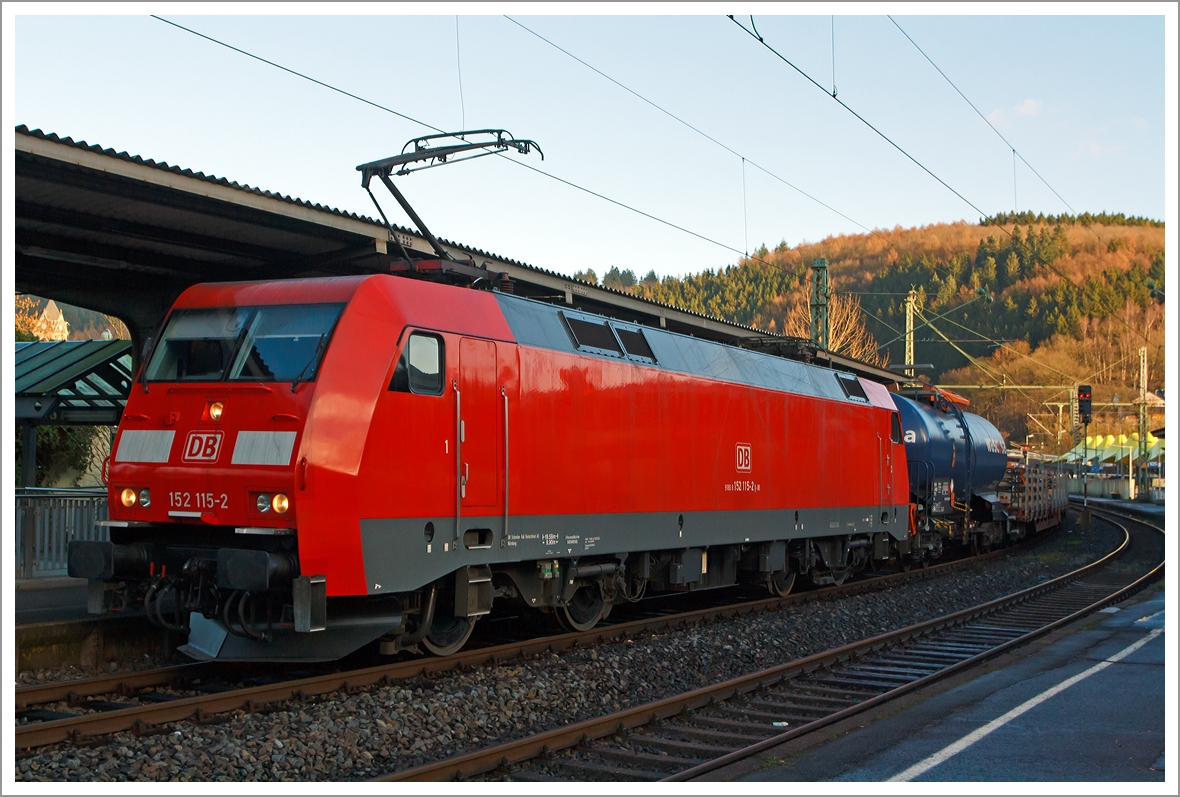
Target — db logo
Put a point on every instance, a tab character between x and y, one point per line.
743	456
202	446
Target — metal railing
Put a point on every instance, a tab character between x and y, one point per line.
47	519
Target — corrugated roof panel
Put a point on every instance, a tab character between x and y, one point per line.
281	235
47	368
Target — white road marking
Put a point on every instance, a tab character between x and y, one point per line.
954	749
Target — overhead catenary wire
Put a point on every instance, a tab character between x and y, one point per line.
993	372
745	212
459	72
1038	362
754	33
530	167
833	52
694	128
1015	154
1005	376
299	74
864	121
518	163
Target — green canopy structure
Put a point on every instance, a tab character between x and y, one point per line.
1118	452
68	382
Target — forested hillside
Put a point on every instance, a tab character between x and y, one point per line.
1027	299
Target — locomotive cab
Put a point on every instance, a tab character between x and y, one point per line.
203	482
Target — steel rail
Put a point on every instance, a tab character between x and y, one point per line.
201	708
965	664
508	754
113	683
125	682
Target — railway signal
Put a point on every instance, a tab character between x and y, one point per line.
1084	395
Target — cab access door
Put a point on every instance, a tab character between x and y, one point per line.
481	418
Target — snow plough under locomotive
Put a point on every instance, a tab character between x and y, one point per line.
309	466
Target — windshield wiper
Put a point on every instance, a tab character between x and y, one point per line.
315	358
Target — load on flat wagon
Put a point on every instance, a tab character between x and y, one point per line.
1035	492
310	466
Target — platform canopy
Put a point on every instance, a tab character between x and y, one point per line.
1118	452
73	382
124	235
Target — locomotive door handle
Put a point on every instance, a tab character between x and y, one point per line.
460	480
463	481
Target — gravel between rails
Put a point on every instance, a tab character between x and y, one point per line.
70	672
353	737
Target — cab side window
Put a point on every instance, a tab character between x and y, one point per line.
420	368
895	427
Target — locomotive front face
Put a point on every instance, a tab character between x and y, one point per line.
205	475
212	436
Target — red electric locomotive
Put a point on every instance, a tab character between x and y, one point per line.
307	466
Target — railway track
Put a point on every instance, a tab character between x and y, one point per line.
80	710
692	734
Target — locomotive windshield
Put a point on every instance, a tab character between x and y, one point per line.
271	343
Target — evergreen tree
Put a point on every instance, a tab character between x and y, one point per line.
987	272
1011	269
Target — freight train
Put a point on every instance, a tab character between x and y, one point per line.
307	467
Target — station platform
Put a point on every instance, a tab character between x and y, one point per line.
44	600
1152	512
1045	712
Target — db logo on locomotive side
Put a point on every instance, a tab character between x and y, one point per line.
202	446
743	456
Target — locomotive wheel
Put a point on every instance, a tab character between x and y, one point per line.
584	610
780	584
449	636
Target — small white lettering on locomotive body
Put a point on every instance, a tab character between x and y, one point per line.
186	500
741	486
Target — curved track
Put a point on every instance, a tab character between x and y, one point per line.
695	733
140	700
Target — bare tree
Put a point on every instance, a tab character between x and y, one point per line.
847	334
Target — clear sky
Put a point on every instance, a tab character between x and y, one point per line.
1082	98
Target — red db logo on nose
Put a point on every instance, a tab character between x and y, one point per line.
202	447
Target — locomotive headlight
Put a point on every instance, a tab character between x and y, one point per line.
263	503
280	503
215	410
128	497
145	498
